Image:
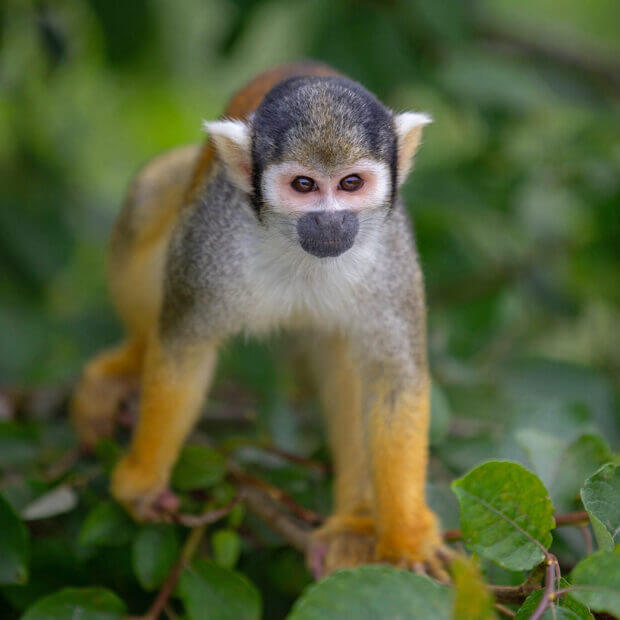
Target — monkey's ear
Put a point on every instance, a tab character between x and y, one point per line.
408	126
233	143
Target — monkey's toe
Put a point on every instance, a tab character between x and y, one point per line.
340	550
343	542
433	559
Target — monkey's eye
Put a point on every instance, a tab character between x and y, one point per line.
351	183
303	185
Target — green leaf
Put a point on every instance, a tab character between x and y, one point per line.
371	592
596	580
224	594
18	444
106	524
108	452
82	603
580	460
601	533
601	498
226	547
506	514
474	600
567	608
153	553
14	546
563	465
543	452
198	468
558	613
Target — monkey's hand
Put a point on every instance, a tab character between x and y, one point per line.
349	541
142	492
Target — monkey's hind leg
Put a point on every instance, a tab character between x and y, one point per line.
108	381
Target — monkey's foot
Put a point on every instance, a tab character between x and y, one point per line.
349	541
420	548
343	542
144	496
99	402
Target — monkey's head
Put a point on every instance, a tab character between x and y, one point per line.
321	159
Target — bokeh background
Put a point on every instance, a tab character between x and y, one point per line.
515	197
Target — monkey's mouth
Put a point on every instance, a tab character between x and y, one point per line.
327	233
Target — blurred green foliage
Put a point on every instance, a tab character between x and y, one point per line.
515	198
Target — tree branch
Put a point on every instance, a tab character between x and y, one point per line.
268	510
307	516
590	62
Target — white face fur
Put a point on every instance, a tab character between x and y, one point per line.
290	188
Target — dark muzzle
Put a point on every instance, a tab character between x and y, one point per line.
327	233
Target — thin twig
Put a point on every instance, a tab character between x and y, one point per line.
512	595
548	593
308	516
579	517
587	538
170	612
185	557
265	446
268	510
504	611
211	516
515	595
318	466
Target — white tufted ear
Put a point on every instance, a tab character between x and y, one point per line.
233	143
408	126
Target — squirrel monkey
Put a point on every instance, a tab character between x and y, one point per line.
289	216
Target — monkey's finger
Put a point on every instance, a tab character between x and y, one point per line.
167	501
446	554
419	568
436	571
316	560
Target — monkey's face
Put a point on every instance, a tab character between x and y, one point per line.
323	210
321	160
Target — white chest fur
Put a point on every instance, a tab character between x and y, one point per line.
290	287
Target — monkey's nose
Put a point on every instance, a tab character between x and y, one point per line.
327	233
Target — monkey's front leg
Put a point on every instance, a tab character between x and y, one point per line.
174	382
407	530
